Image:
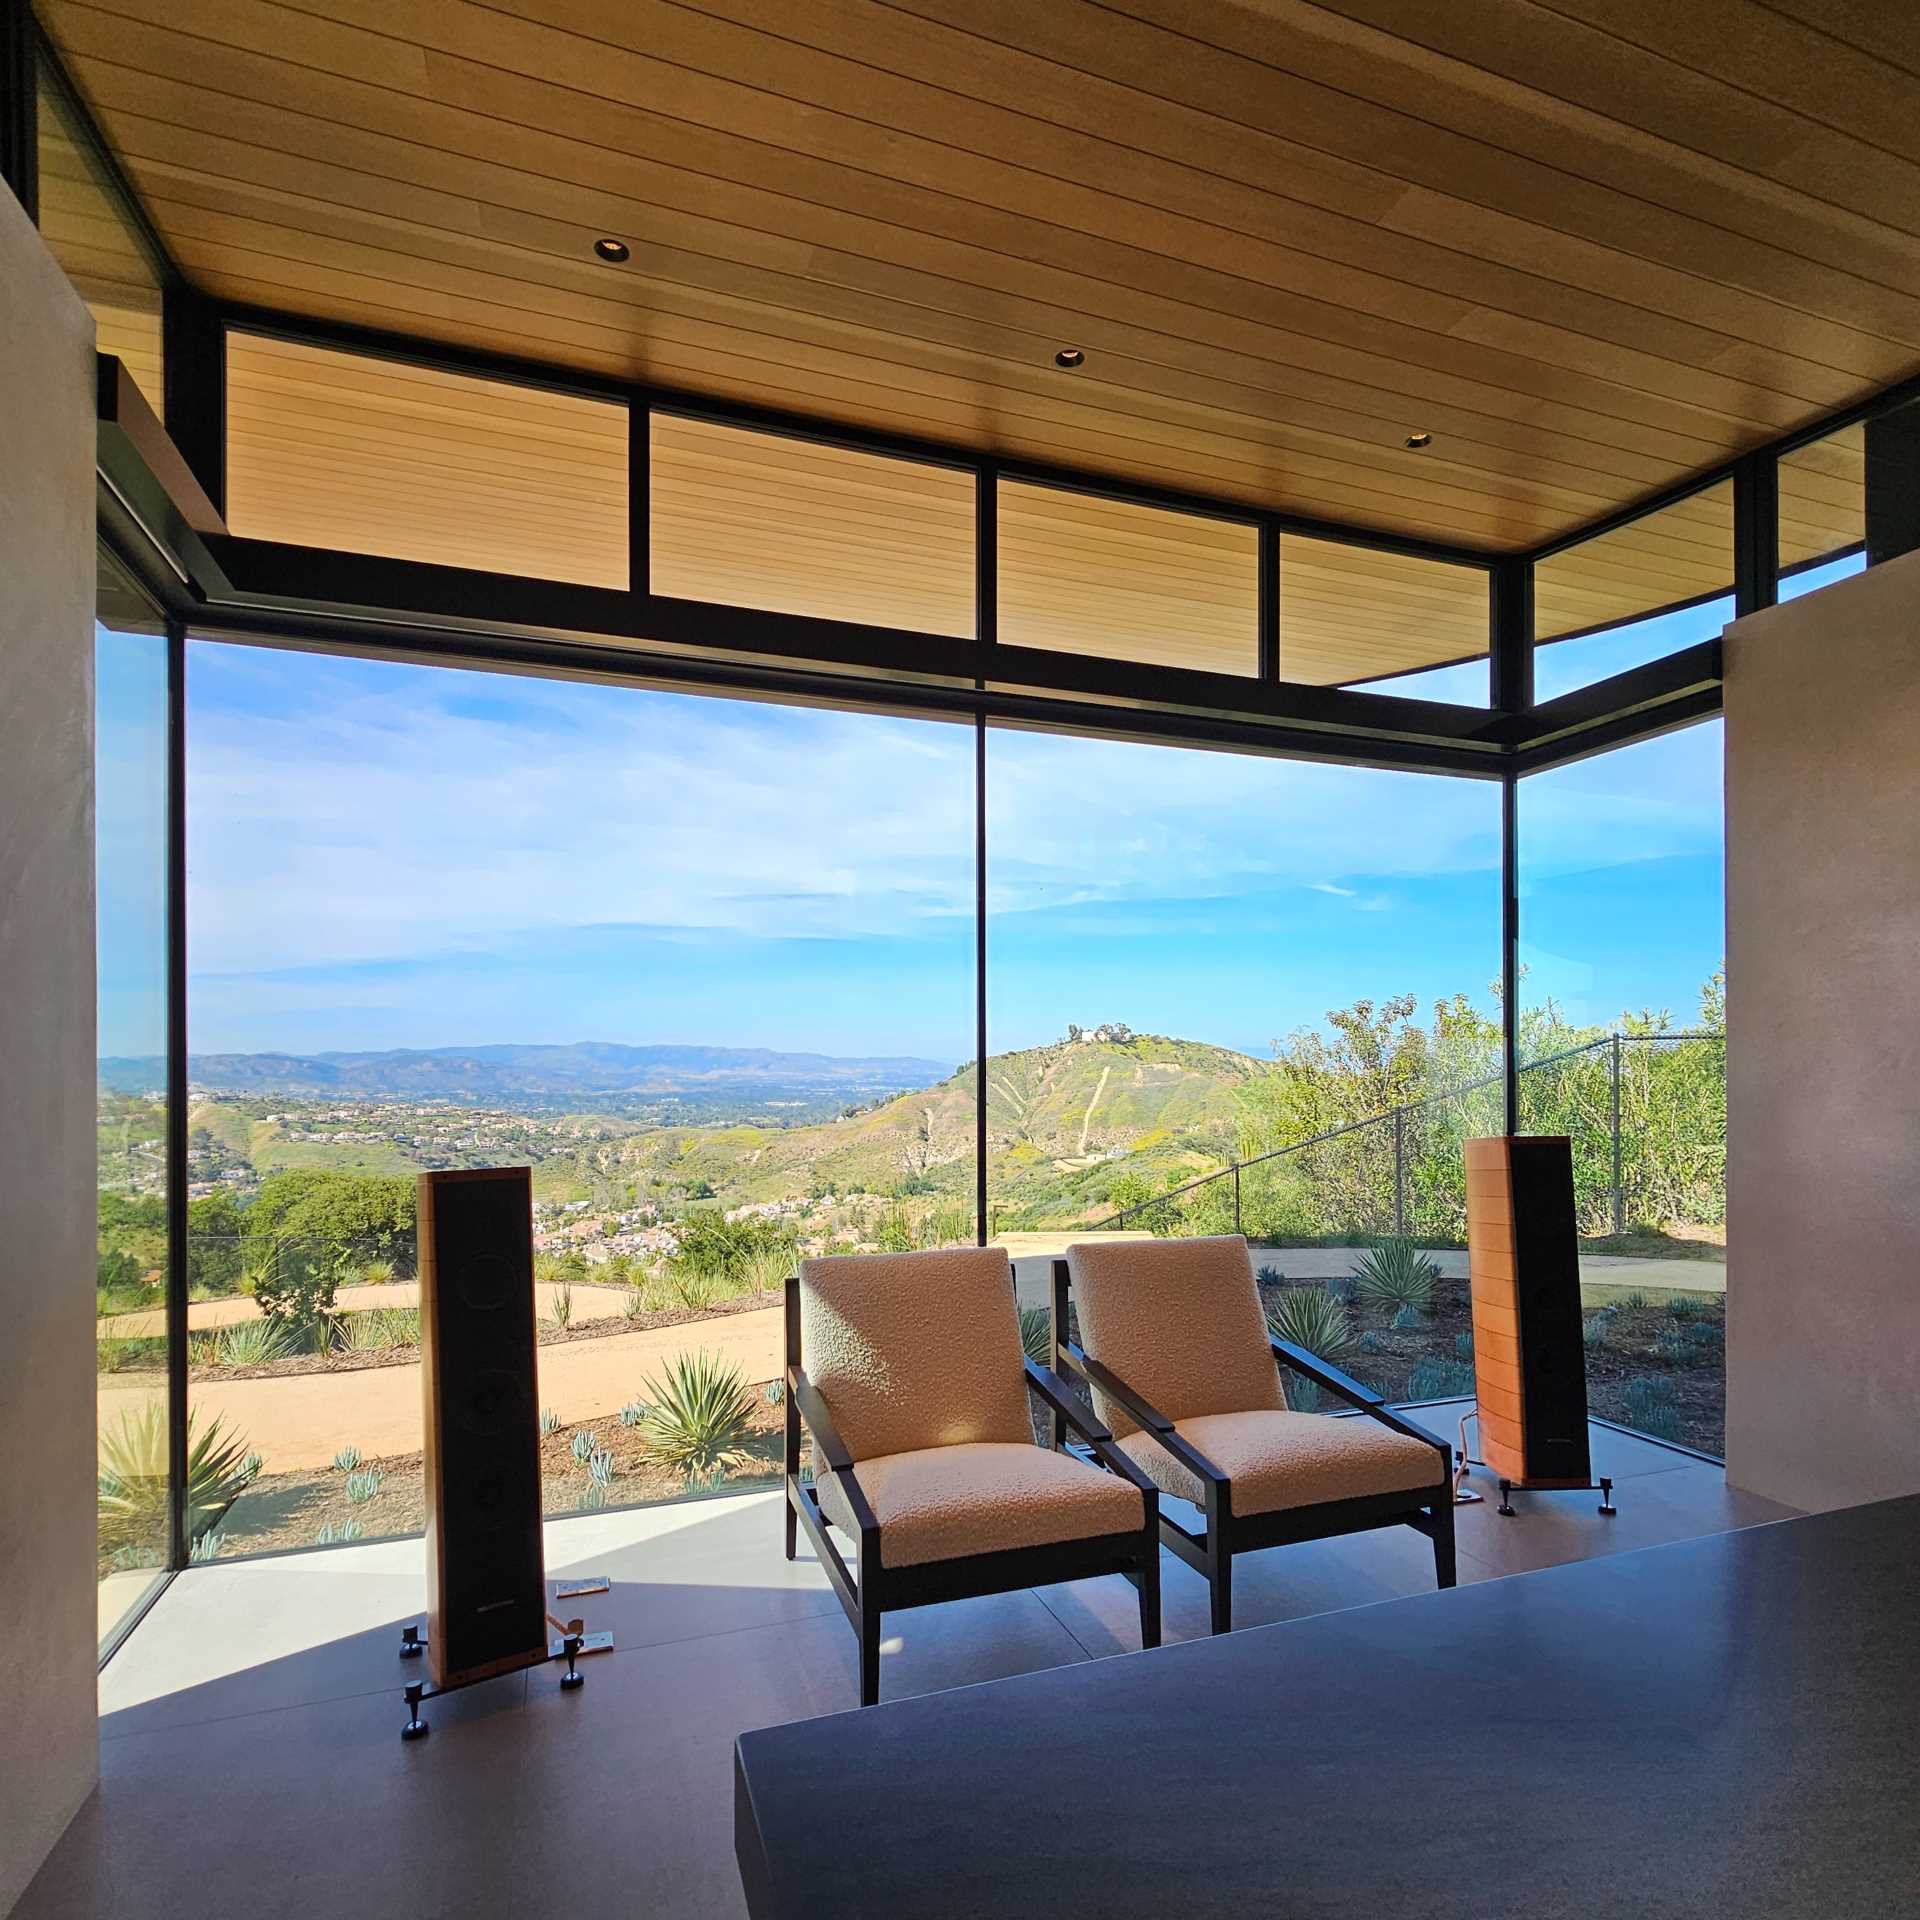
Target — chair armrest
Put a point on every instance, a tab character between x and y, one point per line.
1324	1373
1344	1387
1056	1393
1147	1415
819	1422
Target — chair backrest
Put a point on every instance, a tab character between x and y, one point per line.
1179	1321
914	1350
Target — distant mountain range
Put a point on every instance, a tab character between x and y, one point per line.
586	1073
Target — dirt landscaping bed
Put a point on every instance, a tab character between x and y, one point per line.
282	1510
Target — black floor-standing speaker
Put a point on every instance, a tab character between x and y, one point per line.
1529	1357
486	1572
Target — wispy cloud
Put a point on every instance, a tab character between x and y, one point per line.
1327	886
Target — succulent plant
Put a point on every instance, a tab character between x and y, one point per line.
699	1415
1311	1317
633	1413
363	1485
583	1443
347	1459
1395	1273
549	1422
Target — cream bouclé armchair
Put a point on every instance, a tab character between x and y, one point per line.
1174	1344
907	1371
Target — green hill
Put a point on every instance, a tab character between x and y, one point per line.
1064	1123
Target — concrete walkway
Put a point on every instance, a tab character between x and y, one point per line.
590	1302
301	1420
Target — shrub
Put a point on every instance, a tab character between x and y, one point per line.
1311	1317
1463	1345
207	1547
600	1467
203	1349
633	1413
363	1485
561	1317
583	1443
297	1291
1683	1308
1303	1396
1272	1277
1395	1273
1632	1301
254	1343
694	1288
774	1393
377	1273
347	1459
549	1422
1036	1335
1409	1319
1370	1342
133	1478
1650	1406
1595	1328
1706	1335
633	1303
698	1415
337	1533
1439	1380
1343	1289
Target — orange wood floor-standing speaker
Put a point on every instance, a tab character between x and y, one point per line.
1530	1367
486	1568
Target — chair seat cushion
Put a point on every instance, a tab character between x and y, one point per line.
941	1503
1277	1459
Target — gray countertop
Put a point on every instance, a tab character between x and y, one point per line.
1728	1727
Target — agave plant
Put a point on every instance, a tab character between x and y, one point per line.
347	1459
600	1467
363	1485
633	1413
774	1393
699	1415
1439	1380
1395	1273
337	1532
254	1343
133	1477
584	1443
1312	1318
549	1423
1036	1335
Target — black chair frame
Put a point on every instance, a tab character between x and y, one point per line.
871	1588
1211	1551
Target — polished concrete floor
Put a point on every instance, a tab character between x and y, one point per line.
251	1764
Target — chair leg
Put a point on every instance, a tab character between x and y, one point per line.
1220	1587
1443	1557
869	1654
793	1520
1149	1585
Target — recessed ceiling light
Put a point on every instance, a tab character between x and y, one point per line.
1070	357
1419	440
612	251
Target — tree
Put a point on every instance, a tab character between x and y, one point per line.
341	1216
216	1232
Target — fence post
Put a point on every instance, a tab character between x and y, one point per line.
1399	1171
1237	1227
1619	1193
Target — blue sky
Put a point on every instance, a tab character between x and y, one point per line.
385	855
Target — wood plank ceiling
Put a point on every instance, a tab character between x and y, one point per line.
1591	247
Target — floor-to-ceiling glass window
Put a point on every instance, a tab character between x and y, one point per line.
1230	993
706	965
130	789
1623	1048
